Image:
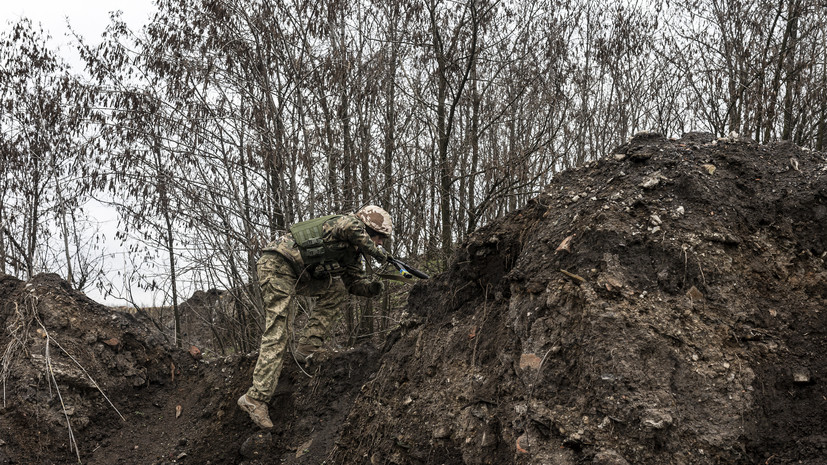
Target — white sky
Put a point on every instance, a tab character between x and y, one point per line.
88	17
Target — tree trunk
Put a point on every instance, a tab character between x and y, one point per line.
791	72
169	237
389	144
446	112
31	228
775	87
821	138
445	171
3	256
476	101
64	227
173	276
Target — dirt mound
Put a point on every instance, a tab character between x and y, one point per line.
84	382
664	305
67	364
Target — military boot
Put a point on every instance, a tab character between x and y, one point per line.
258	411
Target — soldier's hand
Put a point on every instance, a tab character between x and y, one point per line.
375	288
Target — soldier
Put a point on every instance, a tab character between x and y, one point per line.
319	258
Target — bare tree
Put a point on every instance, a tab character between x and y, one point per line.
44	160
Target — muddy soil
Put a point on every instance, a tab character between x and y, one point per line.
86	383
665	305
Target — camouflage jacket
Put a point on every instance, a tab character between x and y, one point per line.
345	229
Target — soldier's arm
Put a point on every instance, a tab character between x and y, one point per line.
353	231
357	282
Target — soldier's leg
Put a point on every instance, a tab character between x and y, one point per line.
331	296
278	281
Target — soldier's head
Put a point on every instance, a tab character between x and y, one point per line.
377	222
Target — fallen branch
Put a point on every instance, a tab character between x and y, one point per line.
13	346
94	383
573	276
72	442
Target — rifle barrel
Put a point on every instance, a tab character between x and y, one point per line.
403	267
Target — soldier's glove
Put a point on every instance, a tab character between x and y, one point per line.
375	288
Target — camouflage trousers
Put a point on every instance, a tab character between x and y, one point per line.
279	288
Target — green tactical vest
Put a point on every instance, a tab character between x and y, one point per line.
308	236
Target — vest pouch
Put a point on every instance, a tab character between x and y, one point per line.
314	242
322	259
326	270
315	252
308	234
308	237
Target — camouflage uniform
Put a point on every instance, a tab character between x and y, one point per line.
282	276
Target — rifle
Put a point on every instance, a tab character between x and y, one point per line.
406	272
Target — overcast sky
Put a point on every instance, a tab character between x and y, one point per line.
88	17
